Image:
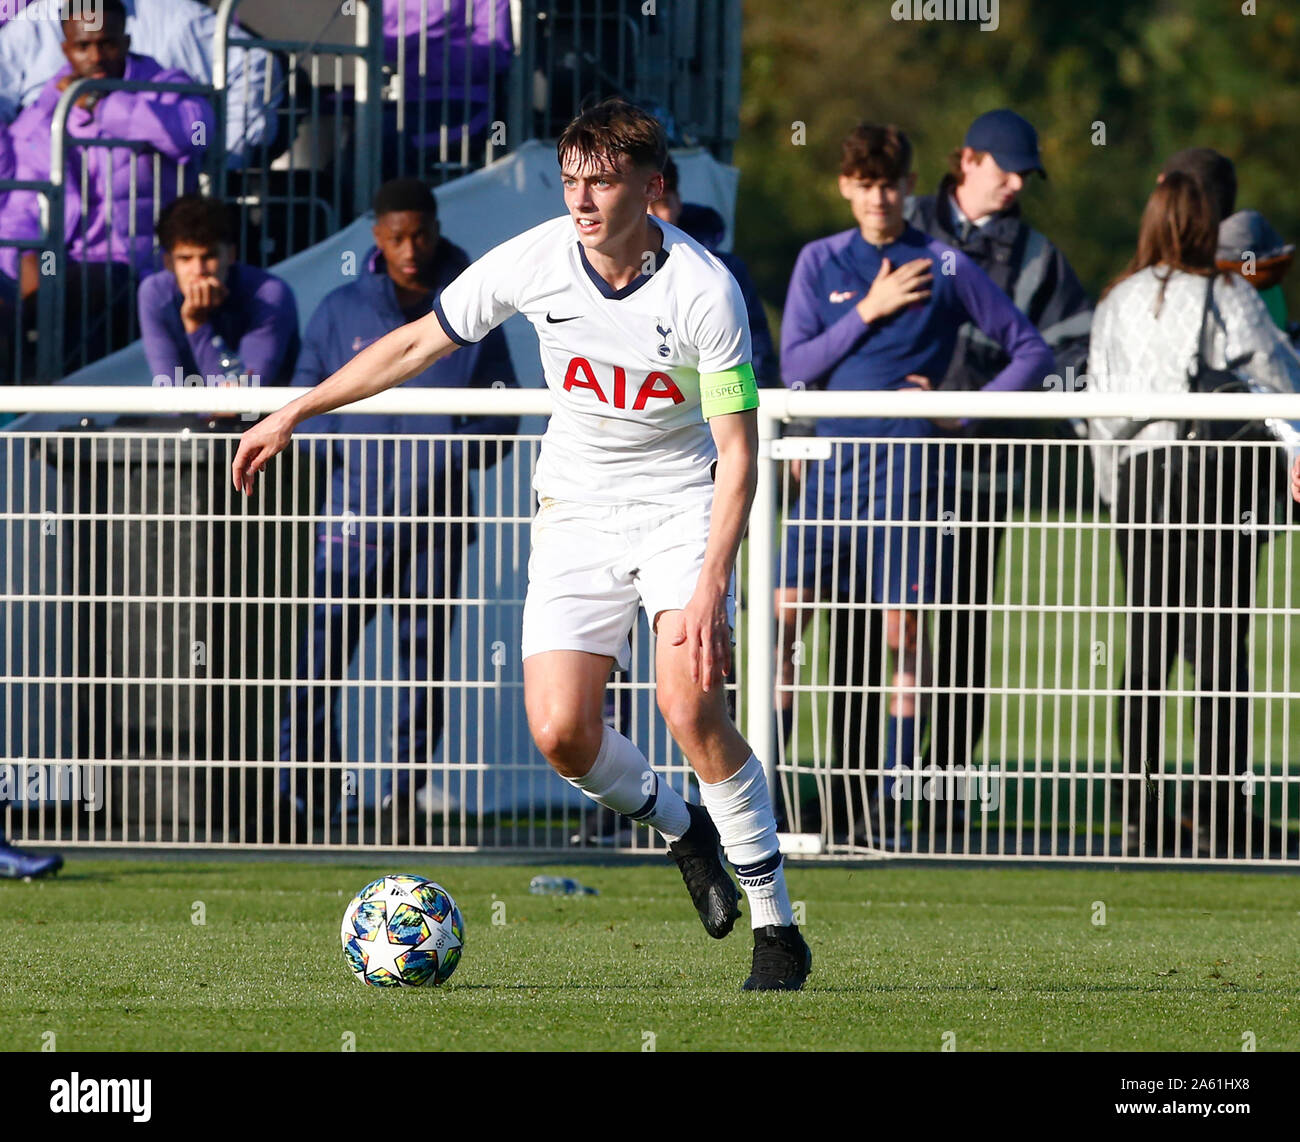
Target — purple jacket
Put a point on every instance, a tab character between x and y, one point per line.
167	122
257	326
825	345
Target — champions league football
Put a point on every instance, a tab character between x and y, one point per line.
402	931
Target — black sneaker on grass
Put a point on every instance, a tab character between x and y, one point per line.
782	960
712	890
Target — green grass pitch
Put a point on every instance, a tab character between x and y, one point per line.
109	957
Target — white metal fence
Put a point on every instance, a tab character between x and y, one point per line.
1088	683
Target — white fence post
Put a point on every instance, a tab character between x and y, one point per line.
759	665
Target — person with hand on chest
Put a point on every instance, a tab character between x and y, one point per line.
878	307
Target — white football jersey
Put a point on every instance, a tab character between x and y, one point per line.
623	366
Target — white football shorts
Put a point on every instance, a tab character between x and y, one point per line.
592	565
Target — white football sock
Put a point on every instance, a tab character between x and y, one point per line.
621	779
742	811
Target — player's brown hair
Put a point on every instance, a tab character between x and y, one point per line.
611	128
954	163
873	151
1179	230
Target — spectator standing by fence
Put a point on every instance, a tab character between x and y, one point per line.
878	307
1189	566
976	210
1251	247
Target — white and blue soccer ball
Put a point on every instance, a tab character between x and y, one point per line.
402	931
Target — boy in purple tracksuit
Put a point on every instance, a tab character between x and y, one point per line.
209	316
878	307
103	233
377	541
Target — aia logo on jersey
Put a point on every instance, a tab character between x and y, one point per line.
656	386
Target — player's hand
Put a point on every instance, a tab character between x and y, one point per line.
896	289
199	299
707	635
1295	480
257	446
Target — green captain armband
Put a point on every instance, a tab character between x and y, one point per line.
733	390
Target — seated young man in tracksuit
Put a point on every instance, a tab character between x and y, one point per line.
208	317
377	541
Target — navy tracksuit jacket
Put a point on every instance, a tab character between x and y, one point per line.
377	542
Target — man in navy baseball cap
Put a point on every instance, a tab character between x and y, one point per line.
1009	138
976	209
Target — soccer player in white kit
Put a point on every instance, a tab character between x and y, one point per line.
645	480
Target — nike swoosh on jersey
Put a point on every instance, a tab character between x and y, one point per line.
557	320
839	295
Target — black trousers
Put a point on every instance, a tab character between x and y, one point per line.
981	502
856	674
1186	542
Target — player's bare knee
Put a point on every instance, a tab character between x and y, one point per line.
676	706
687	714
568	743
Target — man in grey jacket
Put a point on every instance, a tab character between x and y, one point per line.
976	210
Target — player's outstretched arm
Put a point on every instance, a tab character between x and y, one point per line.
395	358
706	631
